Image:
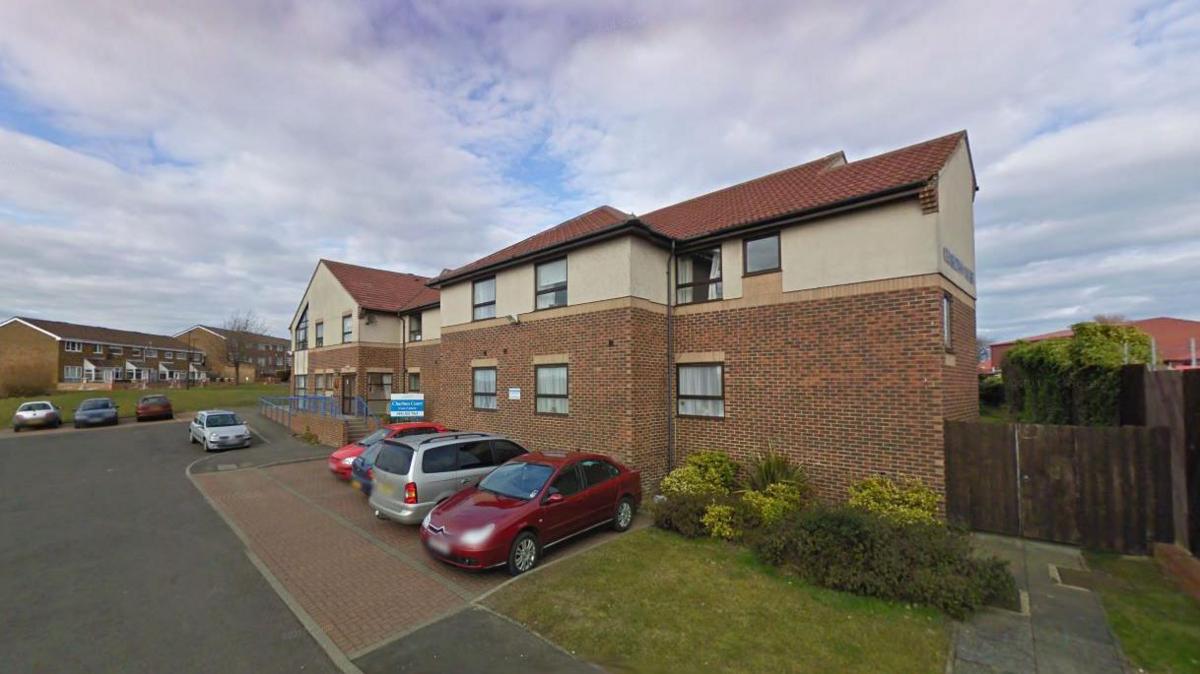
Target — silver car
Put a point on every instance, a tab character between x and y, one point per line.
41	413
219	429
414	474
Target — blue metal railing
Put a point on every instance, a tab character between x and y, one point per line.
326	406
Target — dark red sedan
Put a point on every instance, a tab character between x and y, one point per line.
154	407
527	505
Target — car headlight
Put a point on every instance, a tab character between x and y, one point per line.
213	436
348	460
477	536
425	522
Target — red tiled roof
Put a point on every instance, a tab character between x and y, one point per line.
92	333
382	290
593	221
225	333
824	182
1172	336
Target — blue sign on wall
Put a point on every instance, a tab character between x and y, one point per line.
407	405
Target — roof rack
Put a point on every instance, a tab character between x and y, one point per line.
451	436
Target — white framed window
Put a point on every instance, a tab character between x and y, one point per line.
947	322
116	350
414	328
347	328
152	353
483	299
135	351
483	388
551	281
701	389
552	386
72	373
168	355
73	347
97	348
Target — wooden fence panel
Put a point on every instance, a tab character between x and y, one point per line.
1049	493
981	477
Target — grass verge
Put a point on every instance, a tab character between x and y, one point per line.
1158	625
182	400
654	601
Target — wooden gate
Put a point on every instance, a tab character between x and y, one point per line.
1105	488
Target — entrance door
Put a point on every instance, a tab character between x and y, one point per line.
349	389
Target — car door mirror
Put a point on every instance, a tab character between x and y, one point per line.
554	498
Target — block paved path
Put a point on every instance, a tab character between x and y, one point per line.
362	581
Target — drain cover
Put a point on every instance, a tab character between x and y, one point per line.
1076	578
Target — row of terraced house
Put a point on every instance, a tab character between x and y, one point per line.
826	311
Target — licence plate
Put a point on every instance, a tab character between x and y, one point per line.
356	484
439	546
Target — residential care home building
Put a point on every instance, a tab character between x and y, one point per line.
826	312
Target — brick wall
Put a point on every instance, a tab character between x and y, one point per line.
848	387
425	356
960	375
330	431
27	358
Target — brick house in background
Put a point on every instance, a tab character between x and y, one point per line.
264	357
1173	338
826	311
55	354
362	332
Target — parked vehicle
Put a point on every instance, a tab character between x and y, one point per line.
154	407
362	471
36	413
96	412
341	459
411	475
219	429
527	505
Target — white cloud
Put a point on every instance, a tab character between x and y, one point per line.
205	155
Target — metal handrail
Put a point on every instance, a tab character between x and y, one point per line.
325	406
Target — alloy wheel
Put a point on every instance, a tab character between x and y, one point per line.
526	554
624	514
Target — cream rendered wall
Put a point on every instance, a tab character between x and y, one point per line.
888	241
731	268
600	271
327	300
431	325
956	217
384	328
456	303
648	272
514	290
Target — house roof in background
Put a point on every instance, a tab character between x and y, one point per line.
1171	335
92	333
223	333
382	290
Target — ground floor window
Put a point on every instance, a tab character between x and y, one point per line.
483	388
72	373
414	382
379	386
301	384
552	389
701	390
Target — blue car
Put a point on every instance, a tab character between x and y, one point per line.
96	412
362	473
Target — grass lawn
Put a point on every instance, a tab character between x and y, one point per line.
182	400
1158	625
653	601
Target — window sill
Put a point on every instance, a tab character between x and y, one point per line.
699	416
761	272
552	414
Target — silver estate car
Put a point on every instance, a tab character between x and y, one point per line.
415	473
39	413
219	429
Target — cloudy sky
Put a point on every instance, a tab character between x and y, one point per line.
161	167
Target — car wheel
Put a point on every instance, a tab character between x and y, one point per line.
624	515
191	438
524	554
206	447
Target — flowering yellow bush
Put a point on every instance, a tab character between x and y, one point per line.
907	502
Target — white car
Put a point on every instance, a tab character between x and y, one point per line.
219	429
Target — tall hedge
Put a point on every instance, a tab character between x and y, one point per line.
1072	380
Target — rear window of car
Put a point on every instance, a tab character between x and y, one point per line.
33	407
394	458
154	400
371	452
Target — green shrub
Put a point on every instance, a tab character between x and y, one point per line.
906	502
771	467
991	390
682	513
773	503
689	481
853	550
721	521
715	467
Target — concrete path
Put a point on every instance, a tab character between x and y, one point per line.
1063	628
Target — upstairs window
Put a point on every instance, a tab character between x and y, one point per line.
152	353
761	254
551	280
698	276
167	355
483	299
73	347
414	328
319	333
301	334
98	348
483	388
137	352
347	328
701	390
116	350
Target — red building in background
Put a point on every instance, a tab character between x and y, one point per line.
1177	341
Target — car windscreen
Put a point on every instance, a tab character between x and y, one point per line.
220	420
94	405
519	479
374	437
394	458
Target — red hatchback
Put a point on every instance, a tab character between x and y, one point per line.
528	504
342	458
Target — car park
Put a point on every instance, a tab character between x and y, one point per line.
341	459
36	414
96	412
412	475
154	407
219	429
528	504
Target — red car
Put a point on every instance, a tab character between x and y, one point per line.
342	458
154	407
528	504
